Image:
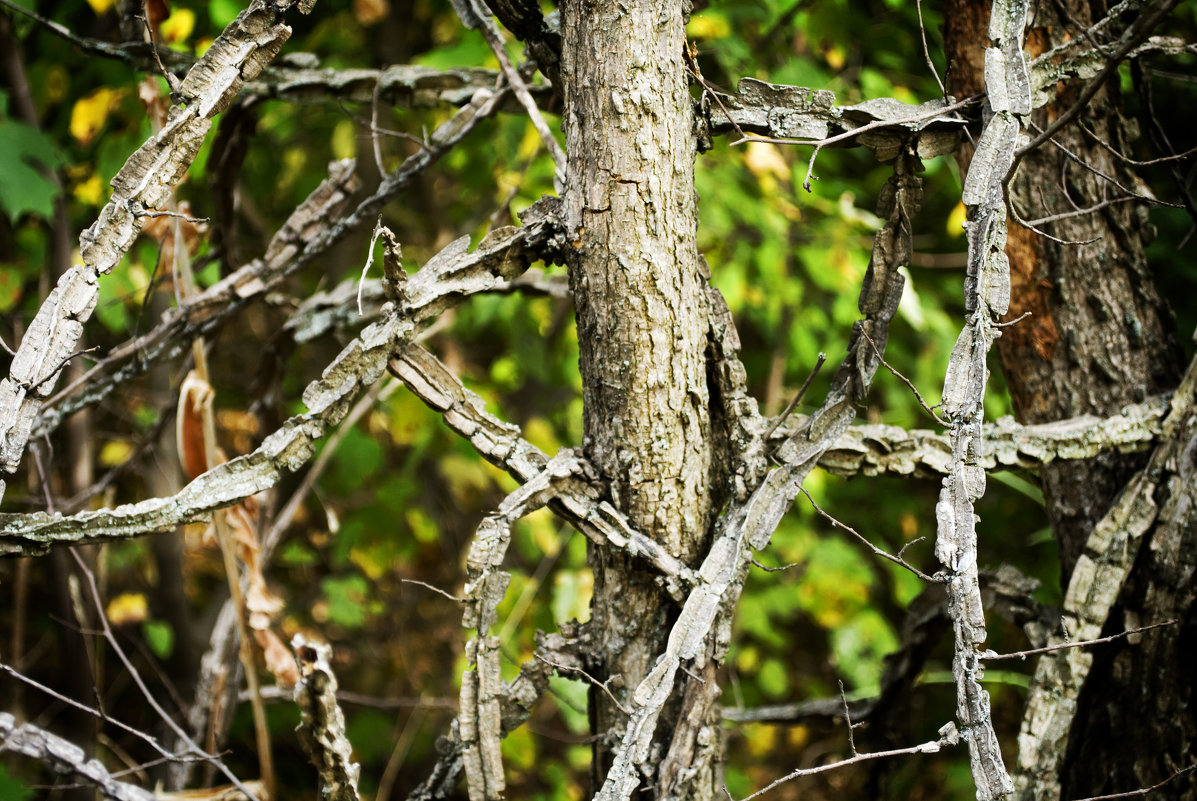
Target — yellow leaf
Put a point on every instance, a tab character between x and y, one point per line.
89	192
760	739
131	607
344	140
956	220
178	26
708	25
369	562
835	58
100	6
764	159
115	452
89	113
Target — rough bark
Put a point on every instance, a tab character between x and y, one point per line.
642	317
1090	346
1098	338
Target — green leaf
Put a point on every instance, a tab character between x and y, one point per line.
11	789
159	636
346	600
26	155
773	679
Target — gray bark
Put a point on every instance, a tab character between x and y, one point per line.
642	318
1098	338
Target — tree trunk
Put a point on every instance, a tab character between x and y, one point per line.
1098	338
642	319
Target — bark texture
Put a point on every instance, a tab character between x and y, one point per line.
1099	335
1099	338
642	315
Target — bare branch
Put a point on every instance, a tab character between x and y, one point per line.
145	182
1094	587
1143	790
71	702
1131	38
793	404
995	657
897	560
948	737
66	758
932	110
166	718
600	684
797	115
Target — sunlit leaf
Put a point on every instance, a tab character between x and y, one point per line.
955	224
129	607
89	113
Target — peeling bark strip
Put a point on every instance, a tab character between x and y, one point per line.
144	183
448	277
986	298
480	720
65	758
1096	584
322	724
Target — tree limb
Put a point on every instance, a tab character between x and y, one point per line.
144	183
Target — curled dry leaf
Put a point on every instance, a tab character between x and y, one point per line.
279	660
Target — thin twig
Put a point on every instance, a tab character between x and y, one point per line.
282	520
781	418
434	588
992	657
1131	39
917	395
1142	790
930	747
918	4
1010	207
106	631
1145	198
1079	212
601	685
691	54
86	44
779	569
171	80
495	42
897	560
1015	321
96	713
848	719
1127	159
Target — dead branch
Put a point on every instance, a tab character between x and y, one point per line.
145	182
